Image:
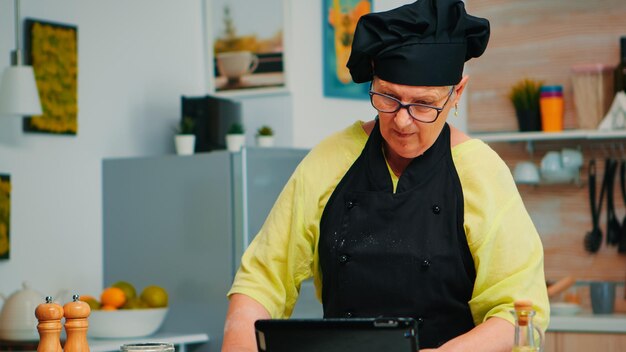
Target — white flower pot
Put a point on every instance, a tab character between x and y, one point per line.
265	141
185	144
234	142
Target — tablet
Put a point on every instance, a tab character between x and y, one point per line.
337	335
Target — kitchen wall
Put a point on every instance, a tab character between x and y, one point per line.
135	60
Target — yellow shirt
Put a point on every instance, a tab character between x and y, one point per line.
505	246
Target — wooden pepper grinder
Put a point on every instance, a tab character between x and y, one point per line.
49	315
76	325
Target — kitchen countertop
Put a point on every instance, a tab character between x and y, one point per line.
588	322
181	341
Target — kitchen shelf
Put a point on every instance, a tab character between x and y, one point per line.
549	136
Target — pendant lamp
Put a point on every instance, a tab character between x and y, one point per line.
18	89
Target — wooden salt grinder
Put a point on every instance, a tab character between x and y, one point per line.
49	315
76	325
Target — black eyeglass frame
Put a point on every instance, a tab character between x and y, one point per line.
407	106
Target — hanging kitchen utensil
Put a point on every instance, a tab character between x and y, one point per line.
593	238
613	226
621	247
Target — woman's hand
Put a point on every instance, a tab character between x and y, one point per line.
494	335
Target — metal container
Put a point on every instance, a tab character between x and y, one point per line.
147	347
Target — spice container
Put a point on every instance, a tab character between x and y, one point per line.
593	93
551	106
147	347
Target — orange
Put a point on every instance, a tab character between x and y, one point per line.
112	296
108	308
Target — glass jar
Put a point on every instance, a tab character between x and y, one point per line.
147	347
593	93
528	338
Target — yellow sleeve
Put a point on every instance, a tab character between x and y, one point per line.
284	252
506	248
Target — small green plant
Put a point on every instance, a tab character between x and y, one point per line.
236	128
265	131
525	94
186	126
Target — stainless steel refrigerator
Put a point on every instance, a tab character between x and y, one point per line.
183	222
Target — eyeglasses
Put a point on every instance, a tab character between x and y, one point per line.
420	112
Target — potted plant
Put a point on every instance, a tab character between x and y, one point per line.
525	98
265	136
185	138
235	137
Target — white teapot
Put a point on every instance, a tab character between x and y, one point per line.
17	317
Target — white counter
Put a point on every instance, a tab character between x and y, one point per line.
179	340
587	322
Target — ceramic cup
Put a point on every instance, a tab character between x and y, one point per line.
526	172
235	64
571	158
551	162
602	297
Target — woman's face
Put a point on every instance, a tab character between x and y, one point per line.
405	136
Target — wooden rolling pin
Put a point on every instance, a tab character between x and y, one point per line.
560	286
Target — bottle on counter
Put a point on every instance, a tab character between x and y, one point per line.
620	70
528	338
76	325
49	315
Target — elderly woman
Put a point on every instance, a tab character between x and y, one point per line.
404	215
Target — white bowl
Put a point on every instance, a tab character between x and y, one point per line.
564	308
125	322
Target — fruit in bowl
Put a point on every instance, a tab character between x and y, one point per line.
121	313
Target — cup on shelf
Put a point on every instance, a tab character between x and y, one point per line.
551	162
552	108
553	170
571	158
526	172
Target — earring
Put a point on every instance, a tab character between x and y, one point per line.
456	109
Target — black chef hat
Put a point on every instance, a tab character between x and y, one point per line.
425	43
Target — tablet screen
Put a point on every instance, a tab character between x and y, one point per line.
337	335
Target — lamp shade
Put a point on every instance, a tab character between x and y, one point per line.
18	92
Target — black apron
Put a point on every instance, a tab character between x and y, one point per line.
402	254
